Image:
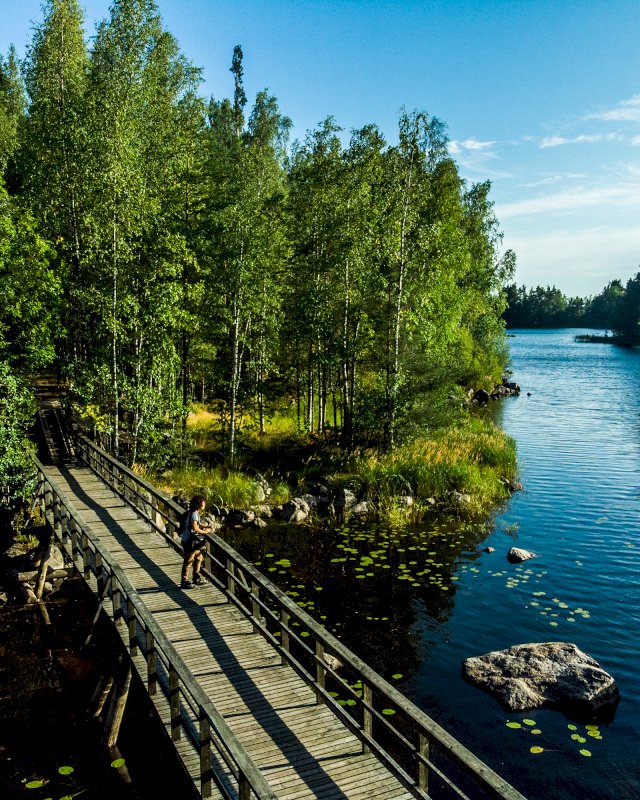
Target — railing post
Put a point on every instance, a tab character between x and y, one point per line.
205	755
284	631
367	720
152	674
100	577
86	563
132	625
155	514
244	787
66	530
75	547
231	584
57	519
208	560
320	671
40	488
423	772
116	599
255	606
174	703
48	500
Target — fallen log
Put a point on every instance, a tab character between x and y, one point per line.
28	592
53	574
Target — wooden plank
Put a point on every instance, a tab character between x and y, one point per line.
304	750
355	778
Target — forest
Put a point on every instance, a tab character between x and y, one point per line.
616	308
162	252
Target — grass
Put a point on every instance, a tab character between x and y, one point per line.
473	458
230	488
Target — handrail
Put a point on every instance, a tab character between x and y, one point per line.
415	748
68	524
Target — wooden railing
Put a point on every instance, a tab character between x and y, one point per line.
191	712
427	760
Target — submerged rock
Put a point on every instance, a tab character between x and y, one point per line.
296	510
517	554
344	499
481	397
545	674
239	518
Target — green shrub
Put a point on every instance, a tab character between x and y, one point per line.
17	471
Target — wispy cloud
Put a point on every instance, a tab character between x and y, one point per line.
477	157
625	111
550	180
468	145
557	141
577	197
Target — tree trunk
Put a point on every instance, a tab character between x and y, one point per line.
310	399
398	290
114	335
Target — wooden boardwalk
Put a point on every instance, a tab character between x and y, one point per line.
301	748
239	674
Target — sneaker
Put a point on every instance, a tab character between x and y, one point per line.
198	580
186	585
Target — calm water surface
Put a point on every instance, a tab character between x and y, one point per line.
416	604
578	437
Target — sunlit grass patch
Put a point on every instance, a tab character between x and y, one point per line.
219	485
472	460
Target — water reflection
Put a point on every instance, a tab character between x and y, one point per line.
417	603
370	585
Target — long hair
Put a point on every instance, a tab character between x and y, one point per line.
195	502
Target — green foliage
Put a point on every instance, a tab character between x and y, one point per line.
12	120
224	487
616	308
472	459
30	289
626	323
17	409
199	259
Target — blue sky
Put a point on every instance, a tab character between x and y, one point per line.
541	97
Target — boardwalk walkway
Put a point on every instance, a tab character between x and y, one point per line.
301	748
244	697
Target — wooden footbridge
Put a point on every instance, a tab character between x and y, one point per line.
240	676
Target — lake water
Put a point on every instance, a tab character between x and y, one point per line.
416	604
578	437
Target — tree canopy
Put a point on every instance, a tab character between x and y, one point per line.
161	248
615	308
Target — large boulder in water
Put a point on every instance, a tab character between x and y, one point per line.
550	674
517	554
296	511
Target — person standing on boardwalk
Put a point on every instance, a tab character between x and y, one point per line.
192	546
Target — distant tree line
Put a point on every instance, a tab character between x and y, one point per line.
159	248
616	308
